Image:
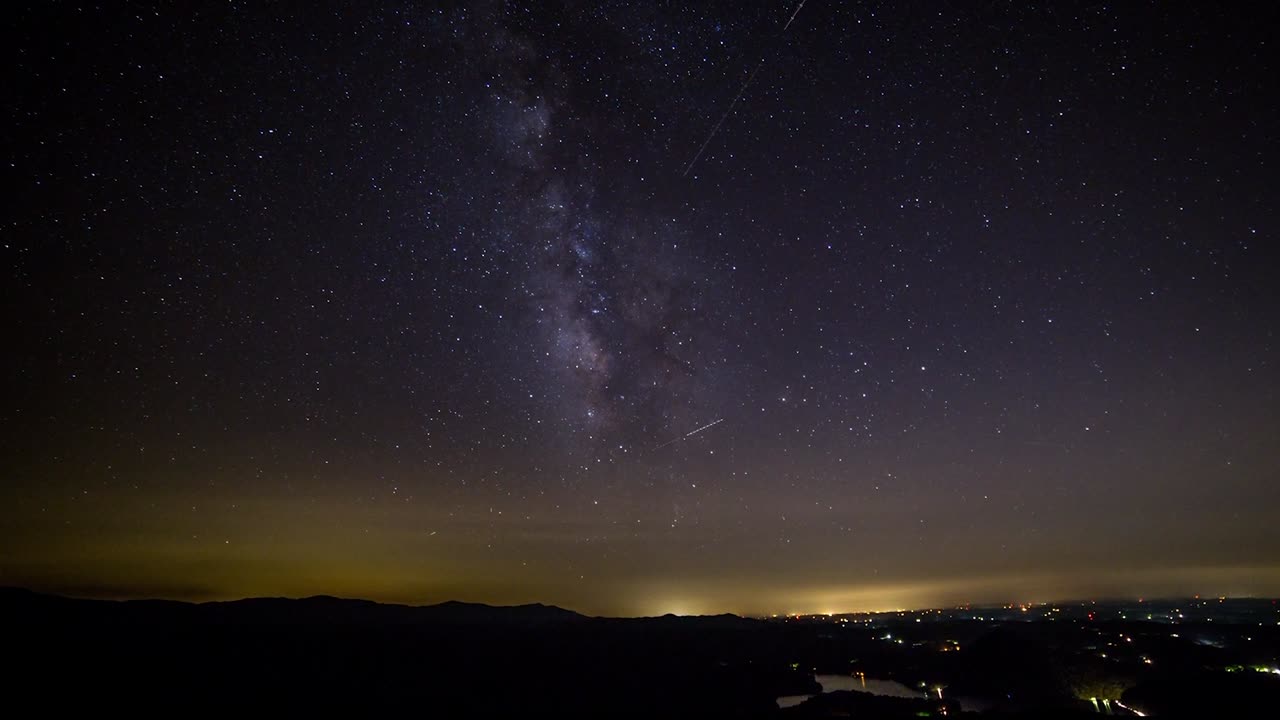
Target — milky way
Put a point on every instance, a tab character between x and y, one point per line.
614	290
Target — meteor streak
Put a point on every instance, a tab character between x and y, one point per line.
736	98
690	434
794	14
723	117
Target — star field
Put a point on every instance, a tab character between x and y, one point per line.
437	302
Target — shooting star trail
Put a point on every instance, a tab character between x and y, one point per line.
736	98
794	14
716	129
690	434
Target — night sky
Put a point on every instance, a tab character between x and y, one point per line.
639	308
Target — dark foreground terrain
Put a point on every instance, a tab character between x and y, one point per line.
1190	658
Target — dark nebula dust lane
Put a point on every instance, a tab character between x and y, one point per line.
630	308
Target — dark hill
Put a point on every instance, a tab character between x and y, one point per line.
276	610
328	654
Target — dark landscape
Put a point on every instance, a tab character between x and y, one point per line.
1184	658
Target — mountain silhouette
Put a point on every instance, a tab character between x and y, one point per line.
279	610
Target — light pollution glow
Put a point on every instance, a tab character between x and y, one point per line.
113	545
